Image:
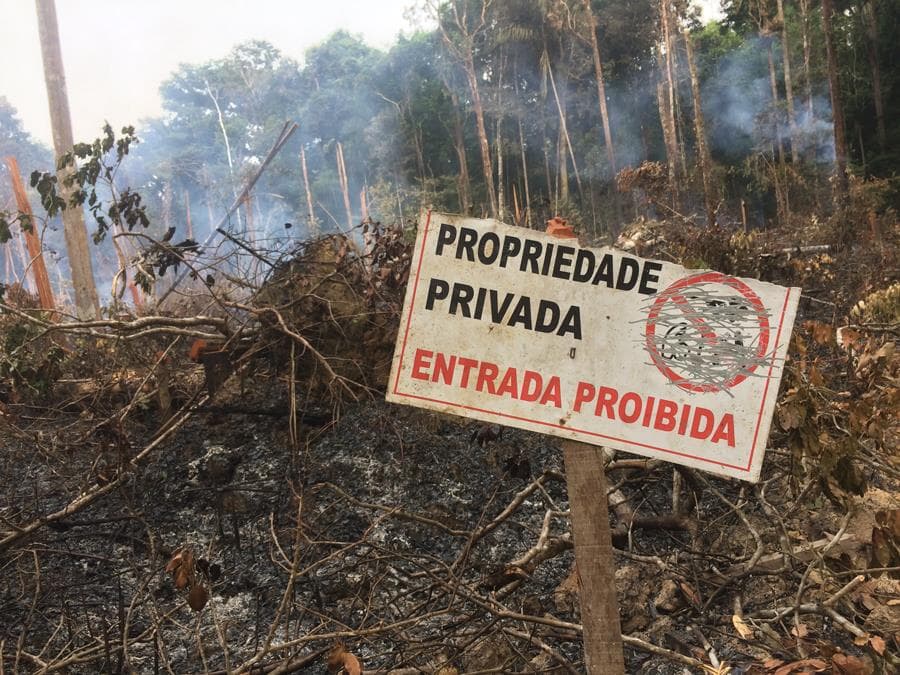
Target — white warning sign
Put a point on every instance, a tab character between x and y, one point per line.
521	328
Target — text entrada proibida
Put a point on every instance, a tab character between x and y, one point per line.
531	256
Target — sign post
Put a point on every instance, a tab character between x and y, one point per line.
589	513
597	347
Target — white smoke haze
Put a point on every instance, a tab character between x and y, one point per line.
738	108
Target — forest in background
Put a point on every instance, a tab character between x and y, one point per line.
600	112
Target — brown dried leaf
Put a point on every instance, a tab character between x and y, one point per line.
174	562
790	416
181	578
800	630
690	593
878	644
342	661
803	666
845	664
881	547
822	333
198	597
741	627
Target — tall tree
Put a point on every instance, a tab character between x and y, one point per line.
460	31
869	9
837	105
788	80
700	132
87	304
601	87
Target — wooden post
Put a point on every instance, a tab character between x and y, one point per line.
589	512
87	305
41	279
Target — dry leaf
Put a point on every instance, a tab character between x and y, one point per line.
198	597
800	630
844	664
805	665
340	660
741	627
174	562
878	644
690	593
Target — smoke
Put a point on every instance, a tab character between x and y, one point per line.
741	118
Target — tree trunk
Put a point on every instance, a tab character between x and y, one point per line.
780	190
807	79
463	184
501	193
868	12
709	199
39	269
527	204
187	212
837	106
668	129
483	144
87	305
345	184
788	81
312	224
601	89
773	84
672	92
564	133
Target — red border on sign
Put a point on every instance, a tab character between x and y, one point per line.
585	432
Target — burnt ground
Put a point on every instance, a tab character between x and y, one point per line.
226	539
394	531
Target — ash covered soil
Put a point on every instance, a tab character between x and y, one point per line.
421	542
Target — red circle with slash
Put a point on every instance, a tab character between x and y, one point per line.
675	293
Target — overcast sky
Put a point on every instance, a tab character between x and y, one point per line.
117	52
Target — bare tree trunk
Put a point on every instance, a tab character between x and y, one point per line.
700	131
463	184
483	144
776	127
780	189
564	132
668	129
39	269
527	204
187	209
345	184
27	280
228	154
788	81
868	12
501	192
312	225
601	89
363	204
837	106
807	78
87	305
672	91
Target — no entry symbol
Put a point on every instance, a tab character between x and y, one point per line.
708	332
